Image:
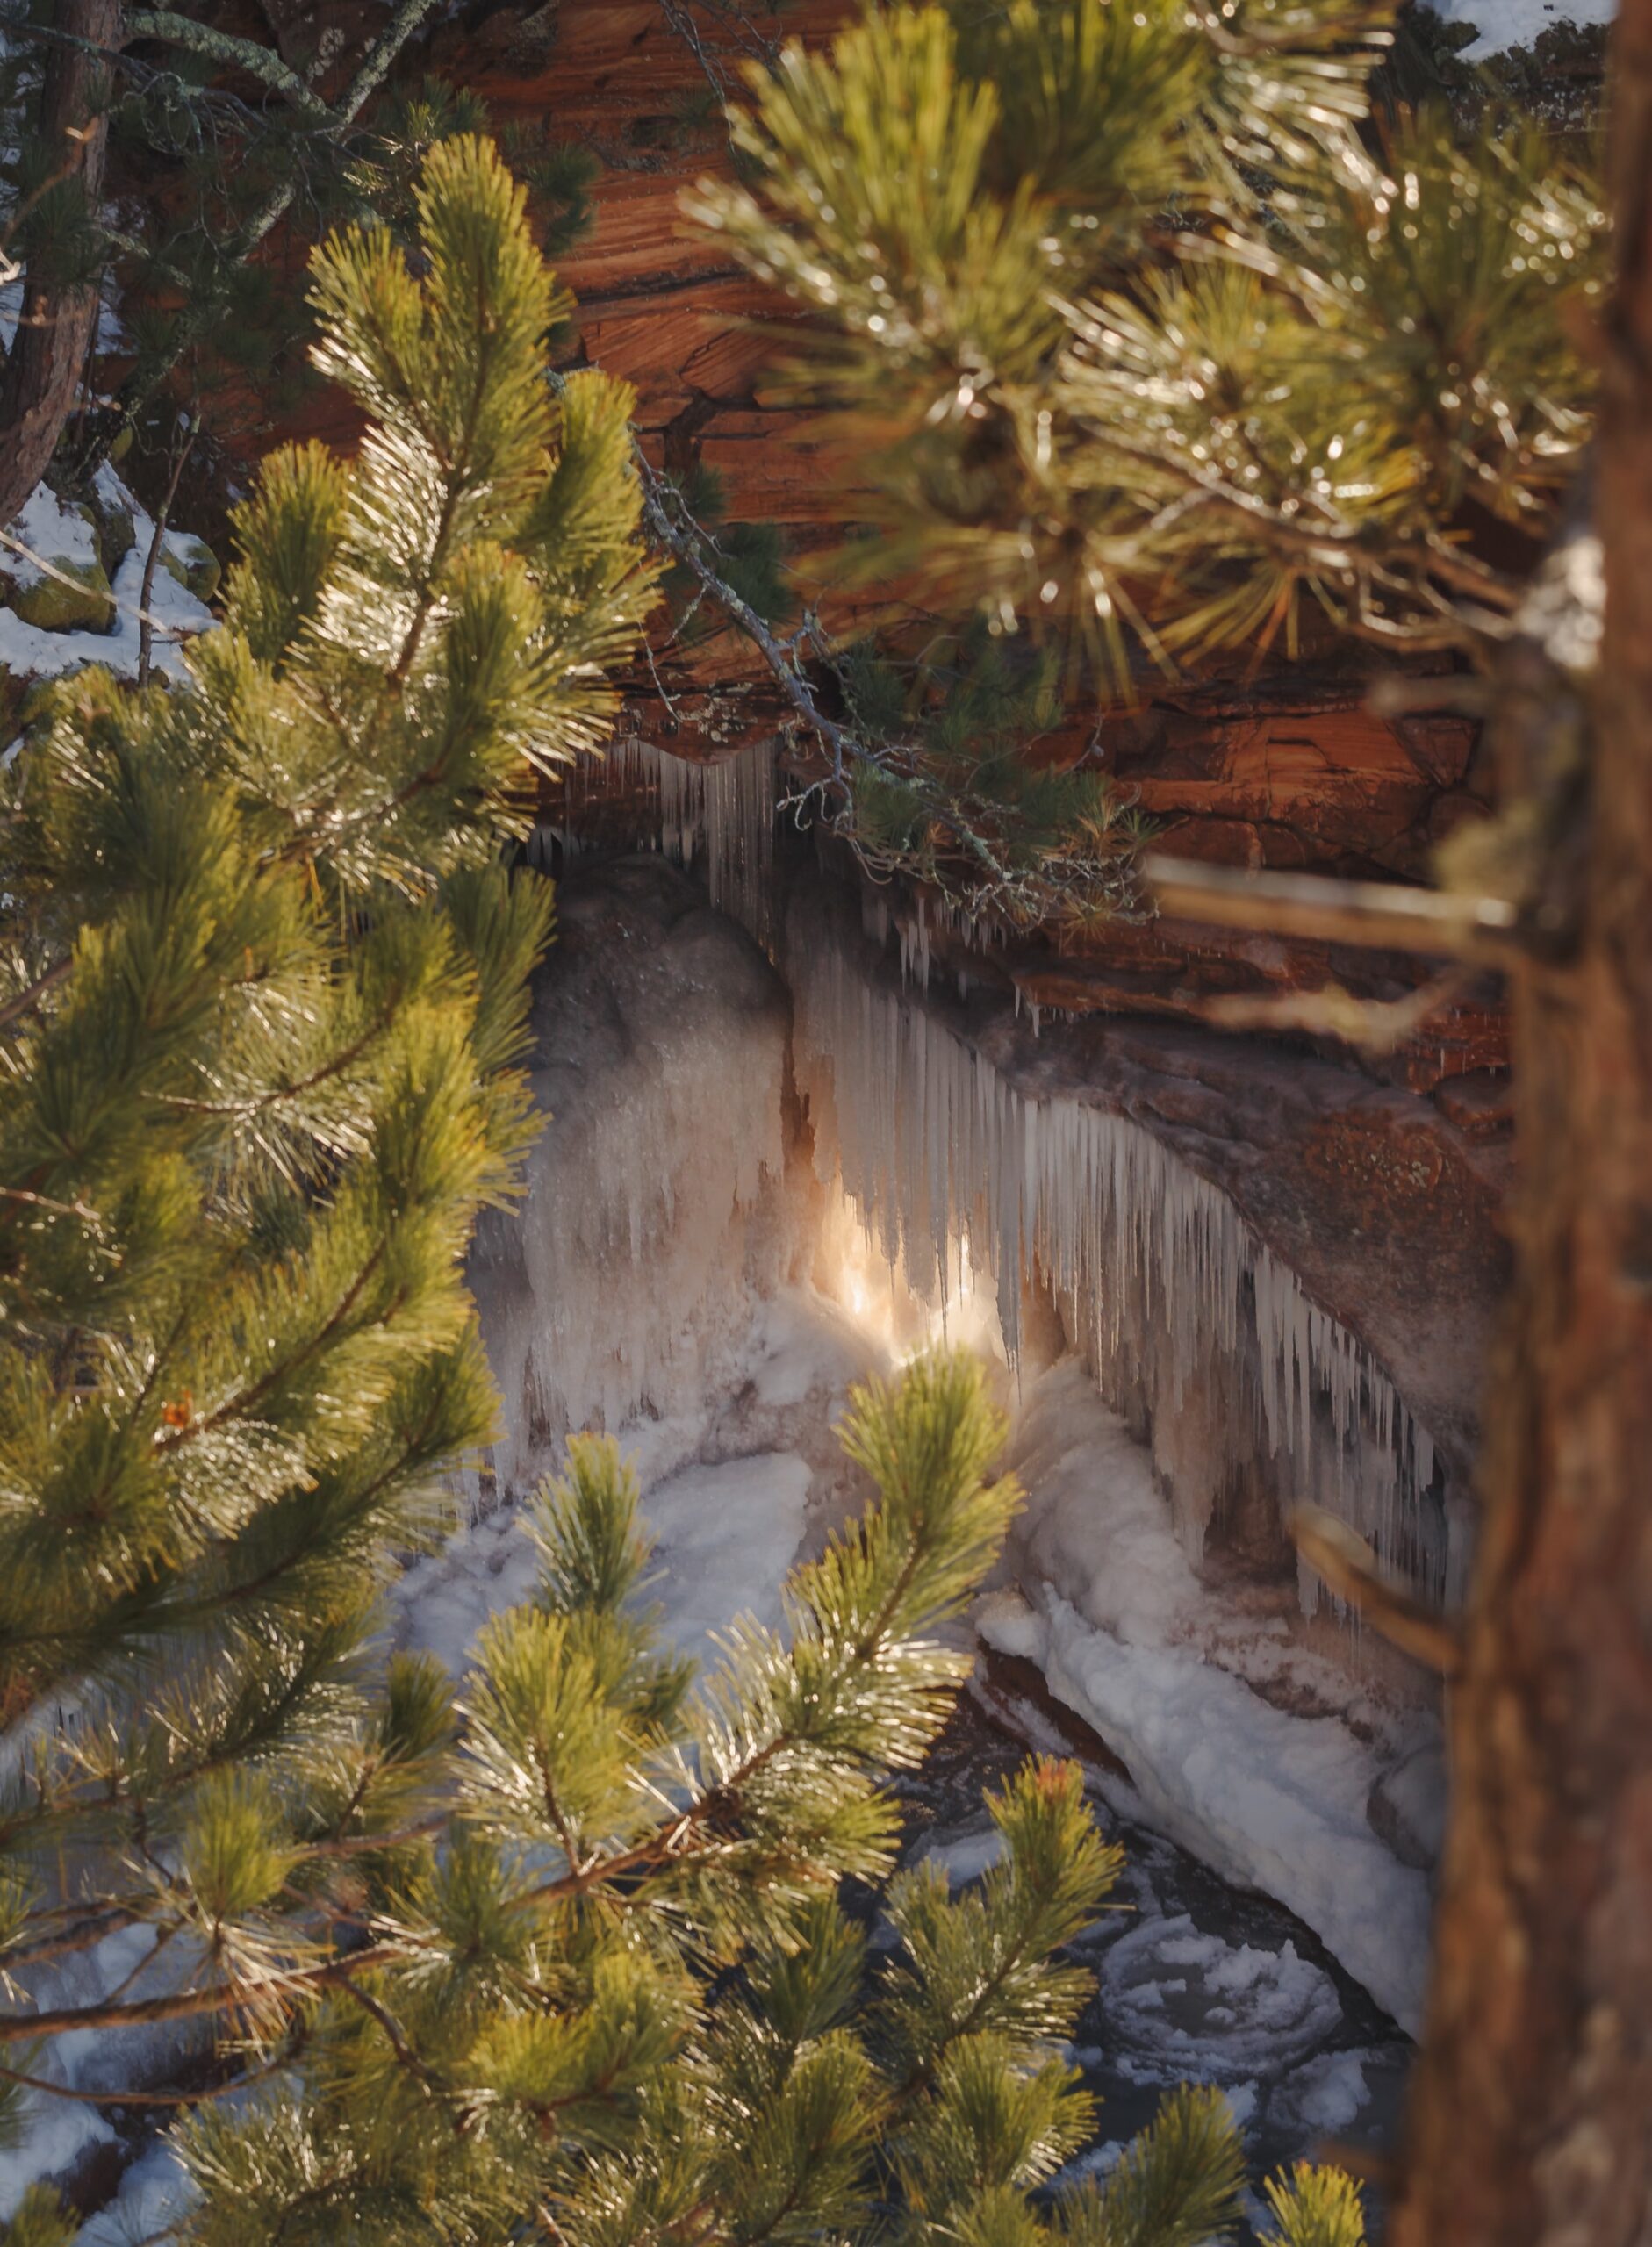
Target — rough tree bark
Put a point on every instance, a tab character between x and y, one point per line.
1531	2115
43	367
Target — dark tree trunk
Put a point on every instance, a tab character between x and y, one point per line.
43	367
1532	2114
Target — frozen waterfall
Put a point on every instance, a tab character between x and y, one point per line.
1194	1330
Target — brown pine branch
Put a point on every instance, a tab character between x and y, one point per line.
1384	916
1351	1570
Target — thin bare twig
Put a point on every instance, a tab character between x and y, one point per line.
145	627
1373	1026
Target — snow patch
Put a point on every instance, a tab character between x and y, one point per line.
1516	23
1174	1676
58	533
1186	2006
726	1538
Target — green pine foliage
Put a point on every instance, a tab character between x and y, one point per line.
574	1963
263	994
216	138
751	560
1313	2207
958	728
1162	337
1158	335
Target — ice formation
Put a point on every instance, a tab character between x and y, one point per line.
1203	1338
1195	1330
717	816
651	1207
1189	2006
1256	1752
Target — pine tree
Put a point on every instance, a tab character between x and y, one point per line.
571	1960
569	1955
1154	342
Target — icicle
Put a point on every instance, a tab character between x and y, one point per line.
1196	1329
650	1218
720	816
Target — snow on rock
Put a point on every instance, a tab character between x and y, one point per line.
725	1539
155	2193
106	547
1329	2094
1516	23
965	1856
1270	1800
1248	1747
58	2134
731	1504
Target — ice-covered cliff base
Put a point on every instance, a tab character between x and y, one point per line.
705	1261
1273	1761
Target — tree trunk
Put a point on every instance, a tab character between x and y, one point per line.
57	320
1531	2123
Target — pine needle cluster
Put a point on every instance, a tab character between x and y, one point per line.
1159	331
1151	341
569	1960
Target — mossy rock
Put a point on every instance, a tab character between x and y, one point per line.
117	529
192	561
53	607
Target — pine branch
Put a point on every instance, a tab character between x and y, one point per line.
232	54
1382	916
293	1984
198	315
992	884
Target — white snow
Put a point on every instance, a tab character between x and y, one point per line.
726	1537
965	1856
1173	1674
59	2132
31	653
1326	2094
1183	2007
155	2191
48	527
1516	23
726	1531
1273	1801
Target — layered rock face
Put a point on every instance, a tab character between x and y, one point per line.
1288	770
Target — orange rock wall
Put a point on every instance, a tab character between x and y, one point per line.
1297	773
